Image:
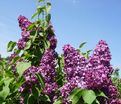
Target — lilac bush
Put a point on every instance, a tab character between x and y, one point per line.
36	74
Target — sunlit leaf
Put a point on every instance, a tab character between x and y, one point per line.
34	15
88	96
28	45
5	91
22	66
75	95
11	46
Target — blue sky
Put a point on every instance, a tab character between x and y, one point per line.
74	21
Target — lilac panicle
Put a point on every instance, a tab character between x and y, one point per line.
102	51
47	70
99	69
74	62
74	66
102	56
23	22
47	65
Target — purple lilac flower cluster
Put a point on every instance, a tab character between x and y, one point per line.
24	23
30	79
93	73
74	62
74	66
47	70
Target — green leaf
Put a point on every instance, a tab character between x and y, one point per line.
31	26
48	18
82	44
17	51
41	79
46	44
8	81
48	7
88	96
35	92
87	53
59	101
33	36
31	99
15	59
44	98
100	94
11	46
97	102
41	0
75	95
1	100
26	98
22	66
19	83
28	45
34	15
60	75
5	91
40	10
